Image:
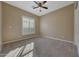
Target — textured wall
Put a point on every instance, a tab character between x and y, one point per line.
59	24
12	23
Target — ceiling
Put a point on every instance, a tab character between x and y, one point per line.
27	6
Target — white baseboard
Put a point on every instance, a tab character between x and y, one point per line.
59	39
18	40
38	36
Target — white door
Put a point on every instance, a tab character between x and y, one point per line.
76	28
0	27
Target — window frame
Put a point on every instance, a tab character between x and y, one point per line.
30	18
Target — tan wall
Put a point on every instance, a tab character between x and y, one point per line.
0	25
12	23
59	24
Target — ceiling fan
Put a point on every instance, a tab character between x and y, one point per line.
40	5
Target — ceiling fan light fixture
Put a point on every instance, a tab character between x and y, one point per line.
40	4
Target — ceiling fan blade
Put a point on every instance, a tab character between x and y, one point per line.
44	2
36	2
35	7
45	7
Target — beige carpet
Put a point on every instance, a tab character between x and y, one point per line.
42	47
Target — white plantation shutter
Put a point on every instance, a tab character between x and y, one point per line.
28	25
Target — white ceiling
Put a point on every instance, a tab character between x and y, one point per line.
27	6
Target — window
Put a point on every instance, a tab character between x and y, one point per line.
28	25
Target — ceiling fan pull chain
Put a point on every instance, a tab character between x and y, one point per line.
40	10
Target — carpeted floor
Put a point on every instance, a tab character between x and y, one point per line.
42	47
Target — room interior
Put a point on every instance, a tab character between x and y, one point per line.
39	29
